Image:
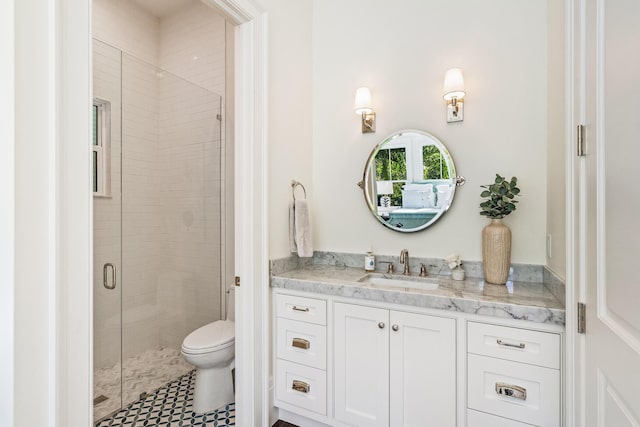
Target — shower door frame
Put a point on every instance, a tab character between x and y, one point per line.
71	370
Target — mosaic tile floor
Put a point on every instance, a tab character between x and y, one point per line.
170	406
144	372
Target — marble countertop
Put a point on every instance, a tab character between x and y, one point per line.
517	300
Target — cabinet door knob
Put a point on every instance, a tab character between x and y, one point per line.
395	327
381	325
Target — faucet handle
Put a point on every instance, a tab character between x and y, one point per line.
390	268
423	270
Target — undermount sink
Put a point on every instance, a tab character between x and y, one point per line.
398	281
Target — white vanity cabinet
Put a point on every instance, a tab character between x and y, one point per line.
301	350
393	368
342	362
512	373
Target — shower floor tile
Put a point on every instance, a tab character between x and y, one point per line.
142	373
170	406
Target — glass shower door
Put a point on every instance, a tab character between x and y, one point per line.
158	238
171	221
107	230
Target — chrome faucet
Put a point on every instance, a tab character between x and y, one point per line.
404	259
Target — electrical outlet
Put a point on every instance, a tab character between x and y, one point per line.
549	246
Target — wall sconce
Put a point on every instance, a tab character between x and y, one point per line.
363	108
453	94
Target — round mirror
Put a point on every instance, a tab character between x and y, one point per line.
409	181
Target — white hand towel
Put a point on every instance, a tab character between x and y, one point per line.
304	241
292	229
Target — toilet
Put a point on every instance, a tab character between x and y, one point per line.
211	350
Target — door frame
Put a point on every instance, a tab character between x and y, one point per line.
7	216
574	366
251	209
72	391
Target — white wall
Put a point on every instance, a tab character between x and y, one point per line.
401	51
556	144
290	108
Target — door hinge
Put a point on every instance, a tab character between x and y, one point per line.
582	318
237	281
581	151
219	117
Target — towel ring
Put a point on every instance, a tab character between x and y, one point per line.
295	184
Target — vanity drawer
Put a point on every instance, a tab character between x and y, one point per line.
480	419
519	345
541	404
301	386
299	308
301	342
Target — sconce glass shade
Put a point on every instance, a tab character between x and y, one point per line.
453	84
384	187
363	101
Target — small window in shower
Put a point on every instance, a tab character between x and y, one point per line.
101	144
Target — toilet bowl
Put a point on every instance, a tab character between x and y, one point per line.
211	350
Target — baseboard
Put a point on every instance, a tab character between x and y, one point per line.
300	420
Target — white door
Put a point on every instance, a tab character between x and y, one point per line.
361	351
422	370
611	220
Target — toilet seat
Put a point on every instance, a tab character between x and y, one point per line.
211	337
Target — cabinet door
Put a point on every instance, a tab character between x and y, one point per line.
361	349
422	370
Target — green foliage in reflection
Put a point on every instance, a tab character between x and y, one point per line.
435	167
391	165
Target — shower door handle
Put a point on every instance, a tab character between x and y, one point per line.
113	276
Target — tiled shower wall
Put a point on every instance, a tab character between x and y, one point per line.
172	175
192	44
143	233
189	147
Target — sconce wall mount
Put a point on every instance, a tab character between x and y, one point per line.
363	107
453	94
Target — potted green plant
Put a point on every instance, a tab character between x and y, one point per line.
499	201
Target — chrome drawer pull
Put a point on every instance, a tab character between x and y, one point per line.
301	343
300	386
113	276
506	344
511	390
305	309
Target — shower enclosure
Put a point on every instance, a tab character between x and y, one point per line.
158	237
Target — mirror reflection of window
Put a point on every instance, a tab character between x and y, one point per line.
391	165
434	166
